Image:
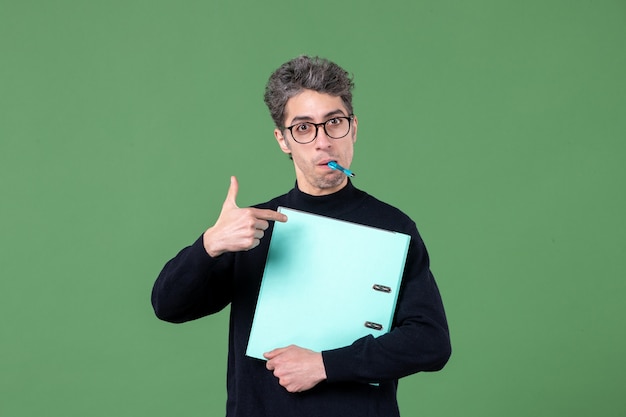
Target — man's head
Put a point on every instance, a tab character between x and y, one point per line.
311	103
306	73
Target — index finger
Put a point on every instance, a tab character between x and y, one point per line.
273	353
267	214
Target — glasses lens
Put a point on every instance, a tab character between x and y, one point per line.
337	127
303	132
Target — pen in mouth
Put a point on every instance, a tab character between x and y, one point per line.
335	165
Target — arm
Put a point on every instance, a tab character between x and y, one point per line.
419	340
198	281
192	285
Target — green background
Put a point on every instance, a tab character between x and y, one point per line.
499	126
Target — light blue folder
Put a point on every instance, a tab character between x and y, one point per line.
326	284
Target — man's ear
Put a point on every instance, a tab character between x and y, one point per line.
282	142
355	124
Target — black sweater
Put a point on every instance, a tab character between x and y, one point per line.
193	285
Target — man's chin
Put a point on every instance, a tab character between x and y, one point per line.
332	180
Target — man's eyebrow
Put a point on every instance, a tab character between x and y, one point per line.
310	119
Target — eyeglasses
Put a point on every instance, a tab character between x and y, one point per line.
335	128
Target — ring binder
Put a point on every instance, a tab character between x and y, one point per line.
322	305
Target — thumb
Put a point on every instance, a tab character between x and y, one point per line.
231	197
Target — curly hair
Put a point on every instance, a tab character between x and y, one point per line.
306	73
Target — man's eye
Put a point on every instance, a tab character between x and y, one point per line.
333	121
302	127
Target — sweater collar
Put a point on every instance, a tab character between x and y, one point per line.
342	201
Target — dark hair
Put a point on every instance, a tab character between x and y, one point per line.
306	73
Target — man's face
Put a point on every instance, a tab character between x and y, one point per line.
310	159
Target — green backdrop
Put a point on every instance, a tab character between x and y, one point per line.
499	126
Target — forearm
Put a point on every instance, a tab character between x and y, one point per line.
419	340
406	350
192	285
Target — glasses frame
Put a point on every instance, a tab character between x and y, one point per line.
350	118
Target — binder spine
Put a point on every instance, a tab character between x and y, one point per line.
384	289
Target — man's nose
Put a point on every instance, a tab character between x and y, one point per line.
322	140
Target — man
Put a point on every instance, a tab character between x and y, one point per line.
310	101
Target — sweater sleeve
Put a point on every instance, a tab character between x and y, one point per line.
192	285
419	340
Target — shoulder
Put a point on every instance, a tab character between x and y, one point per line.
377	213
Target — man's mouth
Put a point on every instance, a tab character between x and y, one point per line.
325	161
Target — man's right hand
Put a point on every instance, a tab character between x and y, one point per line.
238	229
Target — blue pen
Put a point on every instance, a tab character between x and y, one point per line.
335	165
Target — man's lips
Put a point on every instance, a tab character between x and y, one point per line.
325	161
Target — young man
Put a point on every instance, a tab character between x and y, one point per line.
310	101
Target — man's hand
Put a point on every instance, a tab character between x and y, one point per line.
297	369
238	229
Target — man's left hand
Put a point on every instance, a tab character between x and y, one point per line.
296	368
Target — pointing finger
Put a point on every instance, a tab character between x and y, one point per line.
266	214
